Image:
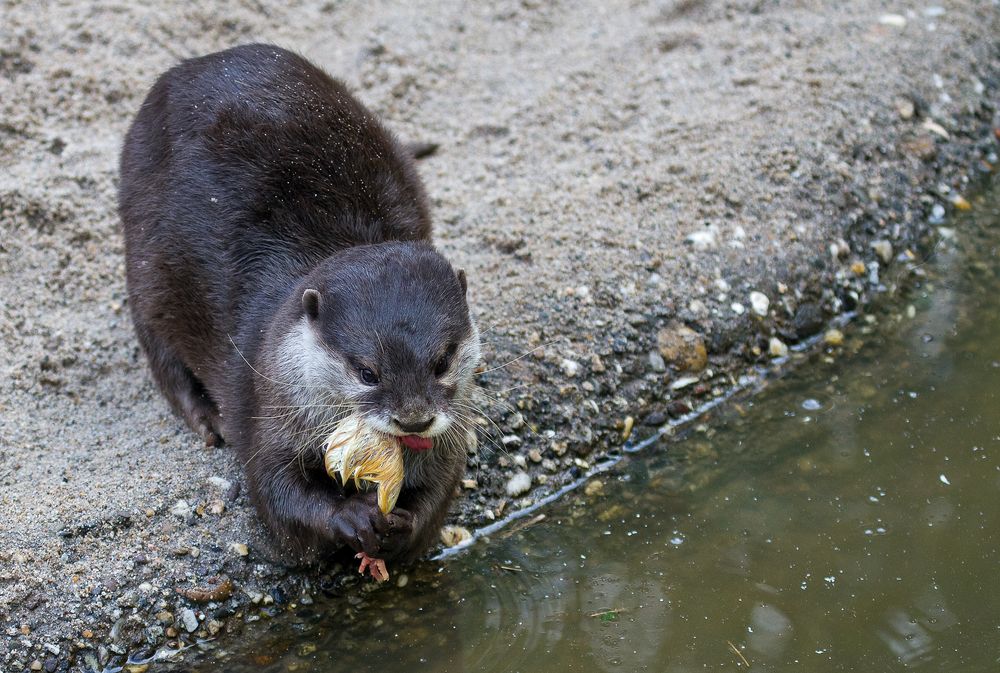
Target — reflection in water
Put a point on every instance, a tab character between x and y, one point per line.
848	522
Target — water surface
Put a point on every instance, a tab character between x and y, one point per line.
848	518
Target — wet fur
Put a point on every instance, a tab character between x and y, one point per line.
248	177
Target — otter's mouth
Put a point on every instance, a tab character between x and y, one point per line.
416	442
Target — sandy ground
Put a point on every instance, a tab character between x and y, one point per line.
607	172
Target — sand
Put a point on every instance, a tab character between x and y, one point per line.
607	171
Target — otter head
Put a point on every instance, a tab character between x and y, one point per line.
391	339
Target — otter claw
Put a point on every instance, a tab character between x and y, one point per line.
375	566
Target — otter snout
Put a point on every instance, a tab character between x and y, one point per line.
411	426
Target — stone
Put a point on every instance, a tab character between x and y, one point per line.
240	549
808	320
181	509
570	367
682	347
759	303
883	249
656	362
221	484
905	108
777	348
454	535
189	620
833	337
519	484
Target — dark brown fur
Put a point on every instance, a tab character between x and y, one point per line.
277	244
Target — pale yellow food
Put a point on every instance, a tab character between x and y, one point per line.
357	452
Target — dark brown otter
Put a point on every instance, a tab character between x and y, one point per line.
281	276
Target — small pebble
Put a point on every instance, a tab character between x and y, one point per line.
535	456
884	250
593	488
240	549
454	535
894	20
627	427
759	303
216	507
833	337
683	382
682	347
960	202
189	620
518	484
181	509
469	484
570	367
777	348
905	108
858	268
402	580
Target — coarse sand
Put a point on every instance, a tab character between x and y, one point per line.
650	197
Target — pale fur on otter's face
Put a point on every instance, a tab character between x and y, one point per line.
404	320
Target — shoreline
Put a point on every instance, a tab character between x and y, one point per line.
94	542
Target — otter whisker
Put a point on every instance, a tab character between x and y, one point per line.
522	356
472	424
255	371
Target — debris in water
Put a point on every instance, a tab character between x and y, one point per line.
944	480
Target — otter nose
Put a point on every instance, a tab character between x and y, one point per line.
414	426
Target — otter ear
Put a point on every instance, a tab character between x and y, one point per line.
311	301
461	281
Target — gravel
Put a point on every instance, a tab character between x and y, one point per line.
605	171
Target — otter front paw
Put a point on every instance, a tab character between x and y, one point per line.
398	539
360	524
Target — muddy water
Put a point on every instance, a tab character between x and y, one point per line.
848	518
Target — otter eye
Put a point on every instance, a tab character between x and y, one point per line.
369	377
442	364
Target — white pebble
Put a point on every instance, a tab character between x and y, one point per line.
884	250
189	620
222	484
181	509
702	240
518	484
777	348
894	20
570	367
759	303
738	308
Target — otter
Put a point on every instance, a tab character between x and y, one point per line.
280	276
